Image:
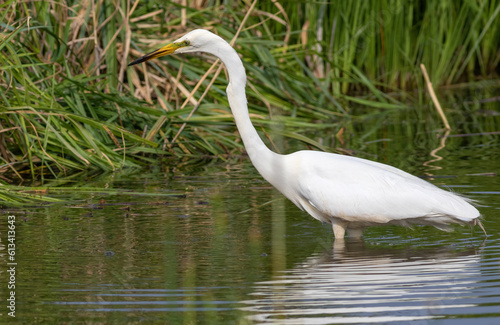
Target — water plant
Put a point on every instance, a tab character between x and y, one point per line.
68	102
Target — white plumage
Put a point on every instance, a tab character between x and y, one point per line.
348	192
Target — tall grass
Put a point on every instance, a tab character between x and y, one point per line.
387	40
68	101
57	116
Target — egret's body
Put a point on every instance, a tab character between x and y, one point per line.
350	193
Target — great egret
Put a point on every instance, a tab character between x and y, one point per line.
348	192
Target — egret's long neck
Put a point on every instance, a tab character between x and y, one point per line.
260	155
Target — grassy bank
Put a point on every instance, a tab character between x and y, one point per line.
68	101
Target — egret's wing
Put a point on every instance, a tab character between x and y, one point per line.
360	190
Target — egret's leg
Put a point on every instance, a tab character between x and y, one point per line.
355	233
338	247
339	229
482	228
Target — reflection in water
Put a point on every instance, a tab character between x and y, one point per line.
369	285
433	153
209	241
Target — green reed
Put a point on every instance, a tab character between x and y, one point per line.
69	102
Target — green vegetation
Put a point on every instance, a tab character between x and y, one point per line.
69	102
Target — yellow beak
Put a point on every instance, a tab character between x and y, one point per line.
166	50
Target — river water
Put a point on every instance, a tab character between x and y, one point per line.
213	243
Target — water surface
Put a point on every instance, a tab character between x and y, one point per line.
214	243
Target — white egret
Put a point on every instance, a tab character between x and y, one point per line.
348	192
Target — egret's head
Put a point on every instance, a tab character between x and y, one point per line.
195	41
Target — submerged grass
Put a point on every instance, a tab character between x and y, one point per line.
42	195
68	102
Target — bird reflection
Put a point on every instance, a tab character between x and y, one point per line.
359	283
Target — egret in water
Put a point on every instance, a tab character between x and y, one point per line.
348	192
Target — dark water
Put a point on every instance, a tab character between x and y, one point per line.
214	243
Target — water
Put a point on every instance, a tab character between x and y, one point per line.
377	286
214	243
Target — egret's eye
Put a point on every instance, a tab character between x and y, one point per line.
185	43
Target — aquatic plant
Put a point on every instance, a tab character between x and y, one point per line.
68	102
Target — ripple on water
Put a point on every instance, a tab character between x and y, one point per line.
346	288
